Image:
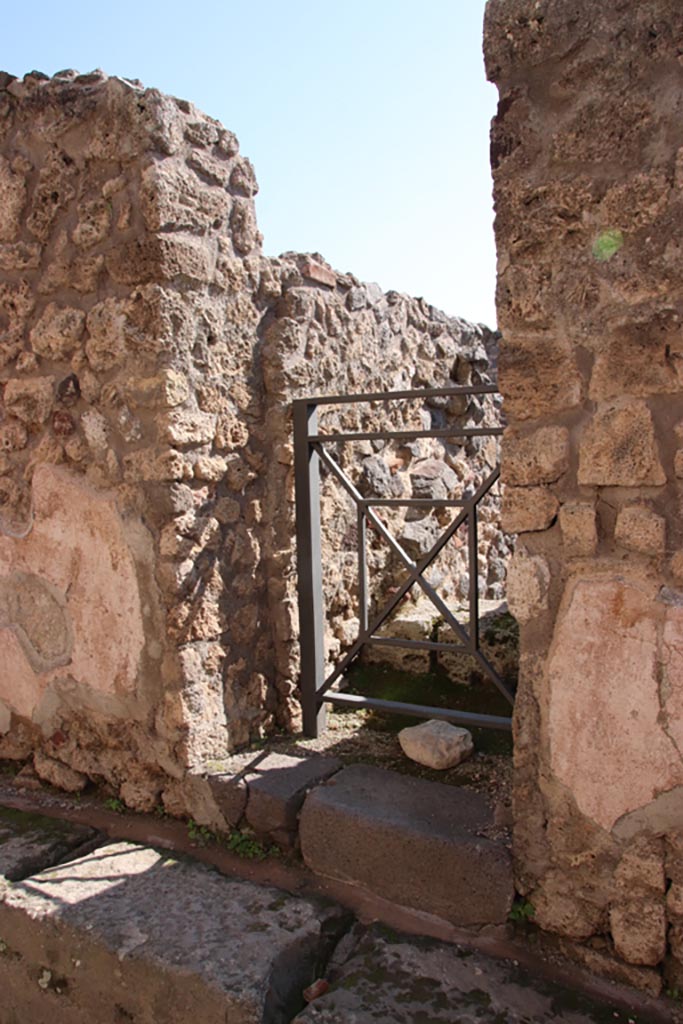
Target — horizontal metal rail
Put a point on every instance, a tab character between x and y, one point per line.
414	502
390	396
352	700
417	645
408	435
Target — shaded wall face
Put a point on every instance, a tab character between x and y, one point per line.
127	244
587	152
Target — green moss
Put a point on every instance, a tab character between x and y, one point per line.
200	834
521	910
434	689
608	244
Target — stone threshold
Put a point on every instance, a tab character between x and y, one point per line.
114	930
416	843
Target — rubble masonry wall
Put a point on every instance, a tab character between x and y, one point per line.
149	356
587	156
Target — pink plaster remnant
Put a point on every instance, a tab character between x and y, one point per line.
609	701
78	544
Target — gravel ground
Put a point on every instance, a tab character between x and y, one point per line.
353	737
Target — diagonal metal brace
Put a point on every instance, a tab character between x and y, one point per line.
415	574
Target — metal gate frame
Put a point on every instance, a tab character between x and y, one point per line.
309	454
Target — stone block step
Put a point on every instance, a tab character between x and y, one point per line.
32	842
413	842
127	933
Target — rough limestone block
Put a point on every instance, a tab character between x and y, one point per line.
527	585
641	867
676	566
31	842
528	509
539	457
277	789
640	529
30	400
579	529
533	386
410	841
58	774
436	744
128	933
618	448
638	928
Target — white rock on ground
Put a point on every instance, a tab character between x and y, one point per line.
436	744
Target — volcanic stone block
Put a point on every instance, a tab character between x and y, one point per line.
410	841
128	933
31	842
277	789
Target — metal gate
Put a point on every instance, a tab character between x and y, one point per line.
310	452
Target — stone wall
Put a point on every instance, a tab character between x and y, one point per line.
150	354
587	155
348	338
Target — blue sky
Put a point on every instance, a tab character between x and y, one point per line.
367	121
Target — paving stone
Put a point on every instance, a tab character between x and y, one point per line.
277	789
391	979
31	842
129	933
410	841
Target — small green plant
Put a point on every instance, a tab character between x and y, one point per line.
522	910
675	993
159	811
608	244
114	804
200	834
247	846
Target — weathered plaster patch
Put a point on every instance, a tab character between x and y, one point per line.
77	547
36	611
608	741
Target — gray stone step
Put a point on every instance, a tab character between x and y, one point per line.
31	842
130	934
413	842
393	979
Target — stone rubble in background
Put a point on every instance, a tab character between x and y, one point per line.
436	744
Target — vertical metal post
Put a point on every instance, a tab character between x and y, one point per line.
362	570
473	558
309	567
